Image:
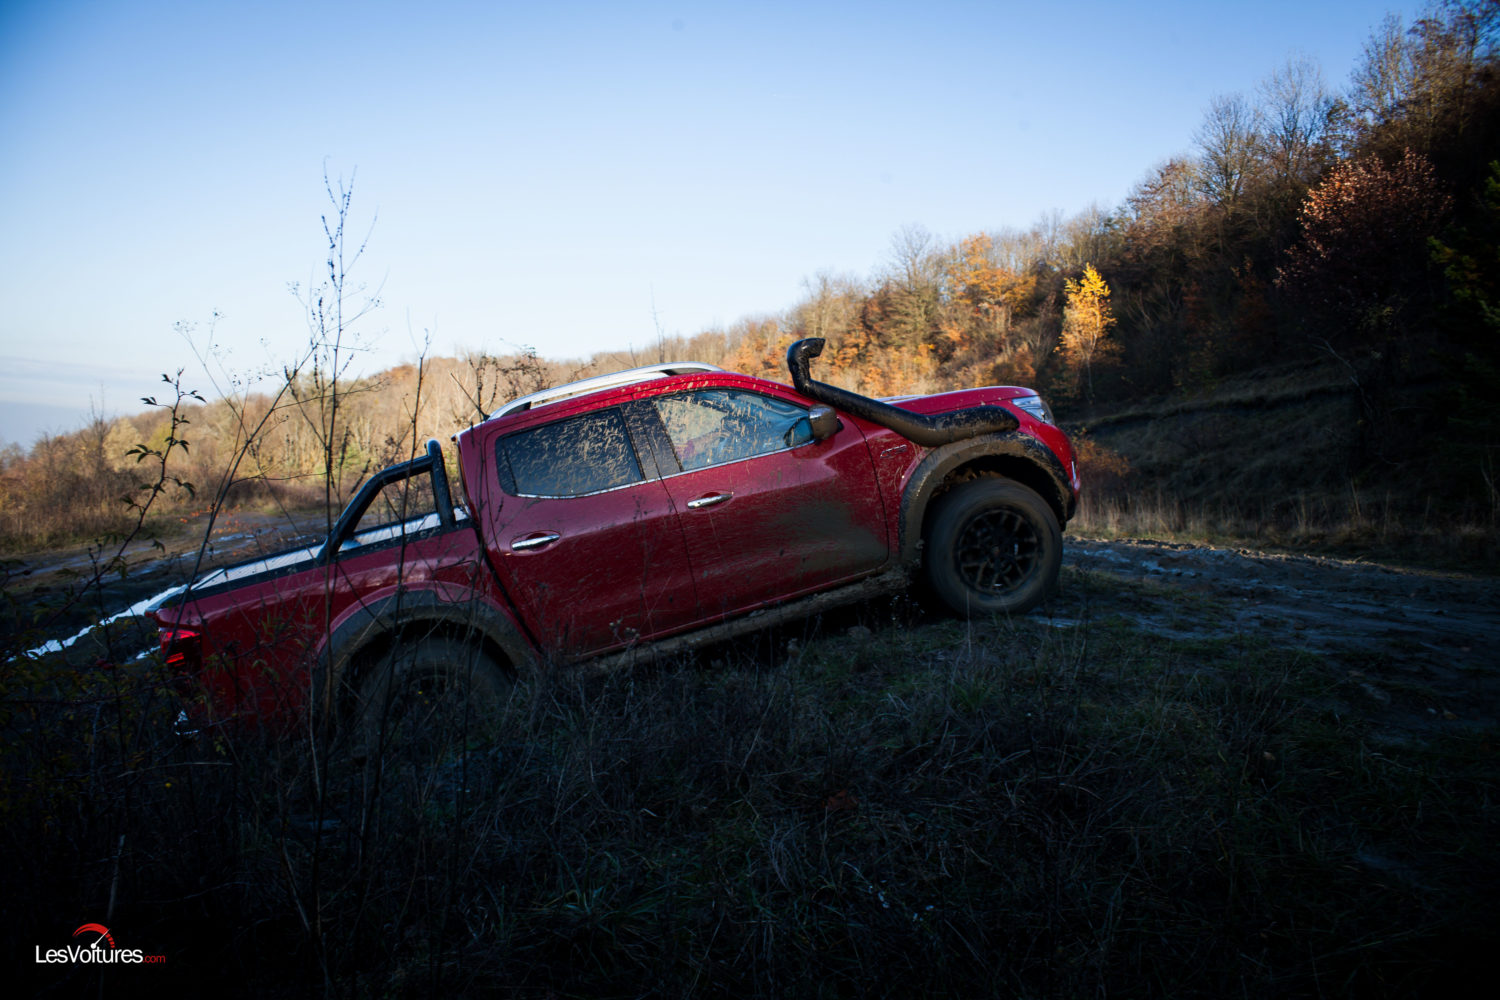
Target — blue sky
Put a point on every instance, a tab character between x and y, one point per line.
564	175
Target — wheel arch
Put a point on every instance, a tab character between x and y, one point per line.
1015	456
413	615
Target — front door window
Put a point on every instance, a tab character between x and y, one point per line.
716	426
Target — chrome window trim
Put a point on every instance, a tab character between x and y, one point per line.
737	461
579	496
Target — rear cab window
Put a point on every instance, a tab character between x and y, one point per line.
589	453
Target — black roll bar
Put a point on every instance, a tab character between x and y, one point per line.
432	462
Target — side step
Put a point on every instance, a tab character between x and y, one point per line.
888	582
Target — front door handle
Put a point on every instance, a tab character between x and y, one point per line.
708	500
535	540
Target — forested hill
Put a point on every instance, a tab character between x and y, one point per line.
1336	246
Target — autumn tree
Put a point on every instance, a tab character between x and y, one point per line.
759	348
994	292
1299	119
1365	285
1362	259
910	296
1090	235
1415	84
1384	79
1086	324
831	308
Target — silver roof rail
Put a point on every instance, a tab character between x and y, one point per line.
598	382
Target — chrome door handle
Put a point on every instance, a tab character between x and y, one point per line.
709	500
535	541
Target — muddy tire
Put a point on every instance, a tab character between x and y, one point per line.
992	547
426	701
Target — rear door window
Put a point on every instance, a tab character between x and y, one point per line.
585	454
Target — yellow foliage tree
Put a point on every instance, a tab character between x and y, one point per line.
1086	322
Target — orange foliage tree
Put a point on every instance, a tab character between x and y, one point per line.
990	288
760	349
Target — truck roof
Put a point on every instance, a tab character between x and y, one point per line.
628	377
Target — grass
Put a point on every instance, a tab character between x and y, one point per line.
1274	460
1346	525
880	804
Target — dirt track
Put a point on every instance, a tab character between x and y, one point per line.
1417	647
76	587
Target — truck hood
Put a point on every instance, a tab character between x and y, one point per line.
958	399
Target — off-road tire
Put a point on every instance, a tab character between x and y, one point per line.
424	701
992	547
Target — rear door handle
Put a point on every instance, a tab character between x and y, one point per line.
708	500
535	540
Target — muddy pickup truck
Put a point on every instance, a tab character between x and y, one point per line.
641	512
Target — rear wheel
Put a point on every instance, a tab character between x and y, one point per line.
993	547
426	701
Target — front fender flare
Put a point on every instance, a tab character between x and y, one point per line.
1017	455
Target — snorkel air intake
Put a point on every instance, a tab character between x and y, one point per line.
927	429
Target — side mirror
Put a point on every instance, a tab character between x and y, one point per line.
820	423
824	422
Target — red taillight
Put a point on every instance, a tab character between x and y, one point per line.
182	648
182	652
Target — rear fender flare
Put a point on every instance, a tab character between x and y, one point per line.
451	610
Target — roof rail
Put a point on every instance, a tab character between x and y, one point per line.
598	382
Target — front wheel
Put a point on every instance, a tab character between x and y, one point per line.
993	547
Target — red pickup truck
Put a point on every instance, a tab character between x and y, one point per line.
656	508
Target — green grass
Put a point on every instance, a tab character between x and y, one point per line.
927	808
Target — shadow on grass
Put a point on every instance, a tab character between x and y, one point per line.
876	804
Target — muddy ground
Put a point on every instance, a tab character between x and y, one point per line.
53	595
1414	648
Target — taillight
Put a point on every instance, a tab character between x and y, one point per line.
182	652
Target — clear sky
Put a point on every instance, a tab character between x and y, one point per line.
570	176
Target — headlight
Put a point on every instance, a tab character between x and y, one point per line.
1036	406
